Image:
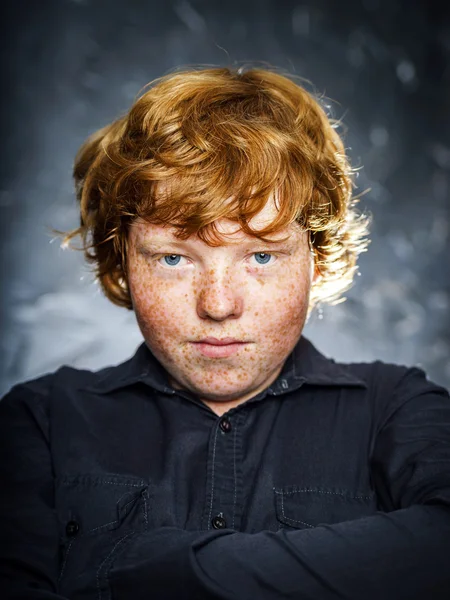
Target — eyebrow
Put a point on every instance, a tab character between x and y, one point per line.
157	243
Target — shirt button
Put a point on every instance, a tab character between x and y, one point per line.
219	522
72	528
225	425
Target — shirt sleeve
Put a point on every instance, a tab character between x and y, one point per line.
402	554
28	527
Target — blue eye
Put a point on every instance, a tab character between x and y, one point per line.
172	259
263	256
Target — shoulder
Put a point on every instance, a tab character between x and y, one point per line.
36	395
380	376
389	387
376	377
67	376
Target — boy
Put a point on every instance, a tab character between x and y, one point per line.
228	458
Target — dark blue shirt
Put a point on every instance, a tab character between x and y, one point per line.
334	482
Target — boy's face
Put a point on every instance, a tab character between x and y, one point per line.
184	291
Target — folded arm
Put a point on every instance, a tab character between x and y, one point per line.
402	555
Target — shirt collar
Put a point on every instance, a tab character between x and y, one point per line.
305	365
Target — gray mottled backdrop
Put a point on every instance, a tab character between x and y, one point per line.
70	66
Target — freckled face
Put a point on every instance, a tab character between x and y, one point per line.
184	291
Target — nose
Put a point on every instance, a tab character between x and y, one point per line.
220	296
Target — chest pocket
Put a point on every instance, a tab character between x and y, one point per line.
95	514
303	508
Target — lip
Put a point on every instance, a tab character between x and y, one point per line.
222	342
214	348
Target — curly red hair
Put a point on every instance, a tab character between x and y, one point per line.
213	134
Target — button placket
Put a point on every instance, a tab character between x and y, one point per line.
224	482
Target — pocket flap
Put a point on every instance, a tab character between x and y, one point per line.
97	503
309	507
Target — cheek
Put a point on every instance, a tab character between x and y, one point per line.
158	309
281	311
286	296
